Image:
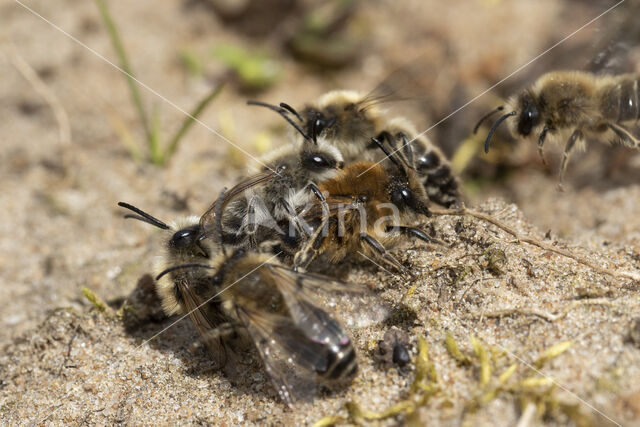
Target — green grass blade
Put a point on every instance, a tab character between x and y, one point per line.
124	61
189	120
156	154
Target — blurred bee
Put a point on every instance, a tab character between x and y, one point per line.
349	120
572	106
367	208
277	311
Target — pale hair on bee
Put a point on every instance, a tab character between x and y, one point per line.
183	243
571	107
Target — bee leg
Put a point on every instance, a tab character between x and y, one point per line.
381	251
541	139
407	149
575	136
413	232
624	135
316	191
292	216
312	246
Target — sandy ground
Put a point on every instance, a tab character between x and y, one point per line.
64	361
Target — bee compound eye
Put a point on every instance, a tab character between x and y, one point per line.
529	117
182	238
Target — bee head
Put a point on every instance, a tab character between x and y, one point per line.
317	122
321	157
408	195
529	115
189	239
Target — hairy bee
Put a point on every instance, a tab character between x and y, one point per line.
277	310
573	106
367	207
184	243
349	119
267	209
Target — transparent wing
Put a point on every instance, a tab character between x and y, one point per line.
402	84
353	305
618	34
208	219
205	322
289	356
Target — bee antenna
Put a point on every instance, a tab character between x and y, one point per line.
182	267
494	127
219	220
290	109
283	112
143	216
485	117
389	155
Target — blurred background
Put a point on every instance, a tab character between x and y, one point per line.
76	139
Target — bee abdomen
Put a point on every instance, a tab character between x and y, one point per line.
629	95
620	101
439	181
341	363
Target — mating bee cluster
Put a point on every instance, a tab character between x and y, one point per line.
351	180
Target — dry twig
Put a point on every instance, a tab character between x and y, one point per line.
30	75
550	317
532	241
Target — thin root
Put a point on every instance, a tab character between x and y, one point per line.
535	242
550	317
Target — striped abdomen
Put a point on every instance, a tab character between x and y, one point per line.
438	179
620	101
340	362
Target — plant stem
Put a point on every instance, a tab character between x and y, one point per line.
124	61
189	120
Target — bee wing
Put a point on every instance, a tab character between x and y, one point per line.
286	351
354	305
402	84
613	59
209	217
205	326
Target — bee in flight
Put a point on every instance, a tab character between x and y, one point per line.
276	310
571	107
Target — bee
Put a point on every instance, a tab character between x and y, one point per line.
184	243
277	310
362	210
349	119
287	179
573	106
